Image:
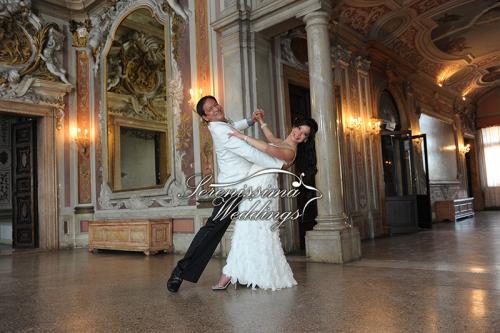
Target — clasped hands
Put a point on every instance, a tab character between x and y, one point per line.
257	116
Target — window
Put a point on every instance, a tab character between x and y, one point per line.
491	144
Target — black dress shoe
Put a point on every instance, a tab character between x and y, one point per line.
175	280
174	283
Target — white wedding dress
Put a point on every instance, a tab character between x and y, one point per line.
256	257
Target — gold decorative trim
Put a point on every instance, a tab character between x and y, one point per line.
176	28
79	32
28	51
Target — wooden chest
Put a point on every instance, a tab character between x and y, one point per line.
453	210
145	235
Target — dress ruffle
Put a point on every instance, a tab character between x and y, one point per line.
256	257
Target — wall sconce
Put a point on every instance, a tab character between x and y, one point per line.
465	149
354	123
417	144
81	138
373	126
195	97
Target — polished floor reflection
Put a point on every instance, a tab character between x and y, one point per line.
443	280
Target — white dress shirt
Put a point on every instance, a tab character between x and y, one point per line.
235	157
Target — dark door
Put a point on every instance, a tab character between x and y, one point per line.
399	178
424	210
300	107
25	219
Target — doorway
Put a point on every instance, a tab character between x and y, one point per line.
300	107
18	183
407	196
405	165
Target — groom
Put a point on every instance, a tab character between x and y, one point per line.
234	159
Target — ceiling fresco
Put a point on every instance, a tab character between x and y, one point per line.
471	28
453	42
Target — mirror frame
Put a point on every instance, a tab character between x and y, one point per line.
166	195
114	157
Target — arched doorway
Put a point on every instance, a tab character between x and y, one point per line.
407	206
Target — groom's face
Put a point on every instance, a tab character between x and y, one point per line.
213	111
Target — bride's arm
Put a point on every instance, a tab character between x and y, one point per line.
282	154
267	131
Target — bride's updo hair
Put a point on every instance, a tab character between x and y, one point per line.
307	149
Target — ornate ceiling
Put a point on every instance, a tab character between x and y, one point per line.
75	5
454	42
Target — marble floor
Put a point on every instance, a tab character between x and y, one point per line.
441	280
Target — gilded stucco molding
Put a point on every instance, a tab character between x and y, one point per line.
362	64
467	115
287	55
30	70
137	71
28	47
341	54
101	25
35	91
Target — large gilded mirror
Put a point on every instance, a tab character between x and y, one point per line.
136	73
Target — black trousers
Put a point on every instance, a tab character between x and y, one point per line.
206	240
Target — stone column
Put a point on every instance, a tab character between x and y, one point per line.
331	240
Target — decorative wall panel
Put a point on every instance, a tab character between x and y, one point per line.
97	137
83	121
185	127
358	147
203	82
369	141
5	163
183	225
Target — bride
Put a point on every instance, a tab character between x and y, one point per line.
256	257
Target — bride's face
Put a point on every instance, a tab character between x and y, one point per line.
300	133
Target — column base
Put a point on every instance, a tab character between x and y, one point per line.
333	246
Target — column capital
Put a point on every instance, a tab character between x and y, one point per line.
317	17
362	64
341	54
320	6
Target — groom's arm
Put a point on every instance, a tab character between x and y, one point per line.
243	124
243	149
